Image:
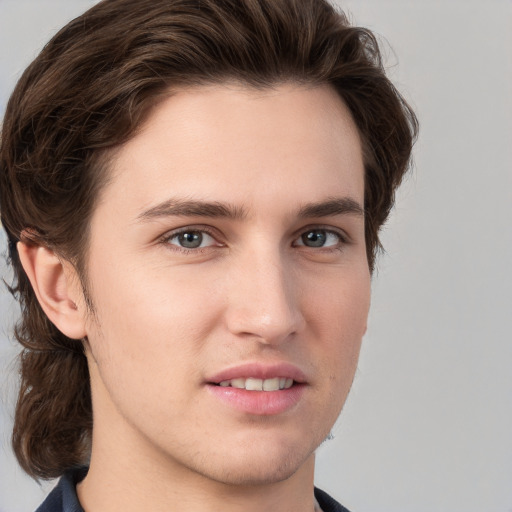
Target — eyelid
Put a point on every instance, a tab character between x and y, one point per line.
217	236
341	233
165	239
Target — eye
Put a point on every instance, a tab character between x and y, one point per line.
319	238
191	239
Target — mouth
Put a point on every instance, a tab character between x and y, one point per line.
253	384
259	389
256	376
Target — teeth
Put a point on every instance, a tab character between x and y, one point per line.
237	383
271	384
254	385
251	384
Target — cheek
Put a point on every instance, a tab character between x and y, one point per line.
338	314
149	298
340	301
151	323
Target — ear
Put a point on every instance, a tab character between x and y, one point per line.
57	288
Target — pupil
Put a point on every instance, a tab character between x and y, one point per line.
314	238
191	240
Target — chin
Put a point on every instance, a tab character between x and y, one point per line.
255	474
257	464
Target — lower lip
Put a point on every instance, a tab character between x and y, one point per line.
259	402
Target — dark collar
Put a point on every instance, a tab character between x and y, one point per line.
63	497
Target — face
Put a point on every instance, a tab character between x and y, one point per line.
228	272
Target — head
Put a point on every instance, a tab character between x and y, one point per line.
97	89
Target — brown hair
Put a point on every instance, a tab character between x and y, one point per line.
90	89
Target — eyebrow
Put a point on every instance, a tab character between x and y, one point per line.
332	207
194	208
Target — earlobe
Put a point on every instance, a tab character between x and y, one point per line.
56	287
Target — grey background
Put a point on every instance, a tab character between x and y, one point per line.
428	425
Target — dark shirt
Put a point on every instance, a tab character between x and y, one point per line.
64	499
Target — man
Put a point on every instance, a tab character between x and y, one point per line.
192	193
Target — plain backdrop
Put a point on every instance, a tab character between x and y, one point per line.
428	424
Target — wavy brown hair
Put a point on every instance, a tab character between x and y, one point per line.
90	89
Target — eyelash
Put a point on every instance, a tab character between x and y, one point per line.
166	239
341	236
343	239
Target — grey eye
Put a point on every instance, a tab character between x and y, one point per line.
192	239
315	238
319	238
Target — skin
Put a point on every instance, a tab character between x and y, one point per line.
166	319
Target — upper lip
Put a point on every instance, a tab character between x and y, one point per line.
258	370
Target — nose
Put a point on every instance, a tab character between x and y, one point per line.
264	299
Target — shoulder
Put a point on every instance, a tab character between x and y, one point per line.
63	497
328	504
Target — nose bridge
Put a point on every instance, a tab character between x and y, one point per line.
264	300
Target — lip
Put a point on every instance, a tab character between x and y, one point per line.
259	371
261	403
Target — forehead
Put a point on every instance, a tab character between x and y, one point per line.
234	143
